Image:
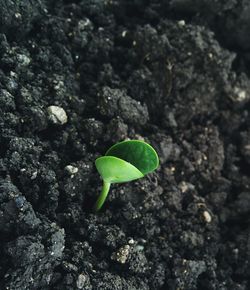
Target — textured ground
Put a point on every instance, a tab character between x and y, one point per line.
174	73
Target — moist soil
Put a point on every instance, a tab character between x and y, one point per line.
173	73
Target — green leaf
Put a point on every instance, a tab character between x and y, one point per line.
125	161
138	153
116	170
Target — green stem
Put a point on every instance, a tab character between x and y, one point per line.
101	199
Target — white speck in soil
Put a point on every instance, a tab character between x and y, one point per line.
181	23
240	95
18	15
34	175
131	241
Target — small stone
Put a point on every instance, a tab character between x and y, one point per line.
81	281
124	33
71	169
207	216
82	24
240	95
181	23
131	241
121	255
57	115
185	186
210	55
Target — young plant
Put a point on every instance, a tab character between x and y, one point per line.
123	162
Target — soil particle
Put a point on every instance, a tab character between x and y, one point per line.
186	273
7	100
115	103
92	130
116	130
17	17
28	252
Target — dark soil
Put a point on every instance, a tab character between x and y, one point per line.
175	73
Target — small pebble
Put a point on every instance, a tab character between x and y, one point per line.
240	95
121	255
207	216
57	115
181	23
131	241
81	281
71	169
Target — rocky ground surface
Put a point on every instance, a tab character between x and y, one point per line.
78	76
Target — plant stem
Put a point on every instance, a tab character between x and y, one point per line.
101	199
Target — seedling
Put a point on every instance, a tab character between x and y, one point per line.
123	162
